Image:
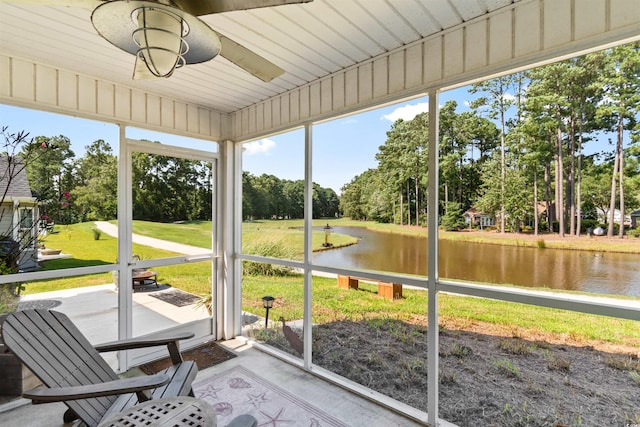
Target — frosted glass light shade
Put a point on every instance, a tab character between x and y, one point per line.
159	36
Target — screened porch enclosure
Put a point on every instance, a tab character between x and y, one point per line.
52	60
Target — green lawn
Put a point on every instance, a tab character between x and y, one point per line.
78	240
288	232
194	233
331	303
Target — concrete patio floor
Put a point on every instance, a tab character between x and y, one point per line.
94	310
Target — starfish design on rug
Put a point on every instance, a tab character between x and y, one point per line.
275	420
257	399
210	391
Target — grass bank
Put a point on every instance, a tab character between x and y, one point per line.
288	232
332	304
544	240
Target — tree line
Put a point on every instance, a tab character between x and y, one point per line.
165	189
518	153
269	197
70	189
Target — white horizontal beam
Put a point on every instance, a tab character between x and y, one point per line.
592	304
41	87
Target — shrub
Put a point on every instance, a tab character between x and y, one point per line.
623	363
267	247
516	346
507	367
556	363
205	301
9	255
461	351
588	223
96	233
634	232
9	297
616	227
453	220
527	229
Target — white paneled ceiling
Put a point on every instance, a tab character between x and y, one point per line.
309	41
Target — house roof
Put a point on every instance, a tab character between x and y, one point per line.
472	212
635	213
14	175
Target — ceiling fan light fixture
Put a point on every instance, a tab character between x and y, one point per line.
161	36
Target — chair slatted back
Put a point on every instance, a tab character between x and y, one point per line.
53	348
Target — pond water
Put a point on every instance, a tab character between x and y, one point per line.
607	273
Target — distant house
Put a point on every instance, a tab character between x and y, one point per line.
542	213
634	218
18	210
475	218
603	216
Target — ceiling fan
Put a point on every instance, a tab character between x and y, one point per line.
167	34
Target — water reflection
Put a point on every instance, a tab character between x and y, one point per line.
610	273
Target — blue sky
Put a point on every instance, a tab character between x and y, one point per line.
343	148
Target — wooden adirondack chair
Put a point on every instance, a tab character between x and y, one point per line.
51	346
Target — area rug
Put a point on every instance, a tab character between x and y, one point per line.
239	391
176	297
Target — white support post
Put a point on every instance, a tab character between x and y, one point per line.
125	215
218	272
432	292
16	220
236	228
229	288
308	248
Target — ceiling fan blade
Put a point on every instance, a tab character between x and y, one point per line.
206	7
86	4
248	60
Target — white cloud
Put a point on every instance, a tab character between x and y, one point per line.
407	112
262	146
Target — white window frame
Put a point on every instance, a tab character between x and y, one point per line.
204	329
